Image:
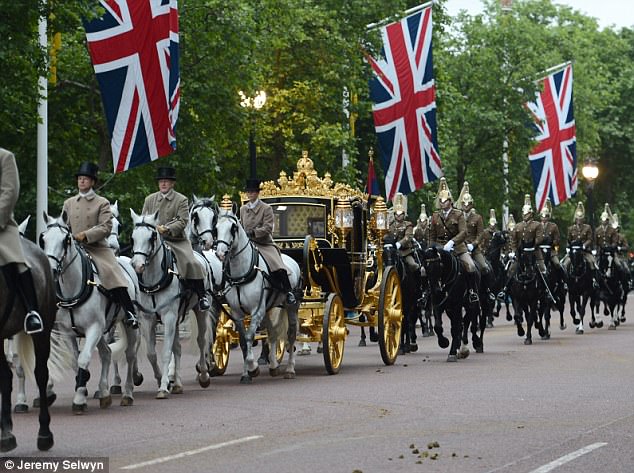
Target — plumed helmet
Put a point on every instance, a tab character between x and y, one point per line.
492	220
527	208
580	212
606	215
511	223
615	221
444	193
423	214
465	197
547	209
399	204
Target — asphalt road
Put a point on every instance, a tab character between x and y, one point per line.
560	405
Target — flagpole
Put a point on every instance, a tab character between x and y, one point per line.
412	10
42	135
550	70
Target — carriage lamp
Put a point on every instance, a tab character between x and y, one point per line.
379	210
343	219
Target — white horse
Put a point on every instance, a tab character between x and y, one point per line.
87	312
161	300
249	291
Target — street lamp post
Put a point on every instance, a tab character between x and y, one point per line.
252	103
590	172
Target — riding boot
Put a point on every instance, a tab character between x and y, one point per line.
122	298
282	277
487	281
198	285
33	321
472	285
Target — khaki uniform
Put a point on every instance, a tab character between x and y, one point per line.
403	232
452	226
421	232
550	230
91	214
173	209
484	242
10	246
528	232
475	229
606	235
260	221
581	233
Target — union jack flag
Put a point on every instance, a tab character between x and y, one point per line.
404	96
554	158
134	50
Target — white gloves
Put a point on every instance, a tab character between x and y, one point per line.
470	247
511	254
449	245
594	252
398	245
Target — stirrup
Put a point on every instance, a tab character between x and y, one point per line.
131	320
203	303
473	296
33	323
290	298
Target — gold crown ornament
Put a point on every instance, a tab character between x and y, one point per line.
399	204
527	208
444	194
465	197
547	209
580	211
606	215
492	220
226	203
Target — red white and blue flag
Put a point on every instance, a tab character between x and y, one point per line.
134	50
372	185
404	95
554	158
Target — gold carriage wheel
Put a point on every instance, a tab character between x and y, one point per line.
390	315
221	346
334	333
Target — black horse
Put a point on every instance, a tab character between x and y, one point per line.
612	289
556	280
526	288
449	293
580	284
412	289
12	313
498	276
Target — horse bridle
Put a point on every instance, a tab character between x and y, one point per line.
153	248
66	245
193	212
226	274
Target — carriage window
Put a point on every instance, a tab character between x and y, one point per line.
299	220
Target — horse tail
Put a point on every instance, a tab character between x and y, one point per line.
25	350
119	346
62	357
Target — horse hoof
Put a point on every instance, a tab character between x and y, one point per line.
622	318
426	334
204	381
79	409
562	327
320	349
612	327
21	408
443	342
274	372
115	390
36	403
579	331
263	361
177	389
489	325
479	349
137	379
452	358
520	331
362	343
592	324
8	443
374	337
246	380
546	336
509	317
413	347
576	321
528	341
600	324
162	395
45	442
105	402
289	375
617	323
255	373
126	401
463	353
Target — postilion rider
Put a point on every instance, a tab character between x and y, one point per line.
12	260
449	229
258	221
173	209
403	232
90	221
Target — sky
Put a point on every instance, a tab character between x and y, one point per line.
607	12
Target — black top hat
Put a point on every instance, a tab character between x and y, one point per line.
253	185
88	169
166	172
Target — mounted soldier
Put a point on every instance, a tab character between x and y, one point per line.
621	246
487	233
552	237
475	230
403	232
173	216
510	230
12	261
421	230
258	221
89	218
582	232
606	235
449	229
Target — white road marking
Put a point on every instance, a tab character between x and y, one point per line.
567	458
189	453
